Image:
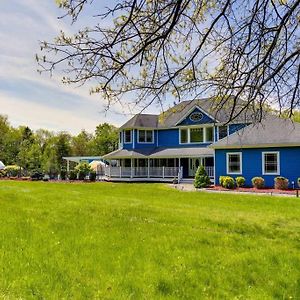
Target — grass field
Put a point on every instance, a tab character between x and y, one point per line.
145	241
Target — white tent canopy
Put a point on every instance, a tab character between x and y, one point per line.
2	166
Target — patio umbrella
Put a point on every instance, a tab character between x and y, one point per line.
2	166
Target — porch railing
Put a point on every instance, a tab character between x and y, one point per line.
151	172
142	172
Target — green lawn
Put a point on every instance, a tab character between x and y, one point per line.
145	241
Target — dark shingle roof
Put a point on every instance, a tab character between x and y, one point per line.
141	120
271	132
173	115
159	153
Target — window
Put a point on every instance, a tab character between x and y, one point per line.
127	136
209	134
196	135
120	137
184	136
222	132
270	161
234	163
145	136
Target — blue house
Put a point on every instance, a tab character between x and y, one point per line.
193	133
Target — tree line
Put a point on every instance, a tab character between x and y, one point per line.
42	150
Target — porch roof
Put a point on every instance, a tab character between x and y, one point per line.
161	153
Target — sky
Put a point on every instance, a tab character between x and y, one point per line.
41	101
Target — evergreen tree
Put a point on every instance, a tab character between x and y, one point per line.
201	178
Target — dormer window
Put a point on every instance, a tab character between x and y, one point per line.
127	136
145	136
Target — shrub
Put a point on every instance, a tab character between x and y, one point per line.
63	174
201	178
240	181
73	175
83	170
13	171
92	176
258	182
281	183
221	179
298	181
36	175
227	182
2	173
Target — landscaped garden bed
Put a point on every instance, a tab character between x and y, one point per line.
254	190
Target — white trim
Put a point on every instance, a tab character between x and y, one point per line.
241	163
191	110
263	162
133	136
254	146
124	136
138	136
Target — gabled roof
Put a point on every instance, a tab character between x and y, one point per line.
271	132
174	115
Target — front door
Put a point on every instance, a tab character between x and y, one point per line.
194	163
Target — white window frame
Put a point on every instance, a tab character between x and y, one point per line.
263	162
218	135
138	136
189	135
241	163
120	138
124	136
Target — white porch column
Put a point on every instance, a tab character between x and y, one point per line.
68	166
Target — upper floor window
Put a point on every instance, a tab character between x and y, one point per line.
127	136
234	163
209	134
270	163
145	136
184	136
196	135
223	132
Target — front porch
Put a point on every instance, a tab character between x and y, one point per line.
158	169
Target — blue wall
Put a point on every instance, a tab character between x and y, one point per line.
252	164
170	138
205	119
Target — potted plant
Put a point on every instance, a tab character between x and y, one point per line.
258	182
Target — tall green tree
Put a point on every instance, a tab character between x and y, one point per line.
81	144
106	139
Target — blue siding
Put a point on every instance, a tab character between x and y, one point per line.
205	119
252	164
235	127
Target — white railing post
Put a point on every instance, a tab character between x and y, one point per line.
120	172
148	167
109	171
163	172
